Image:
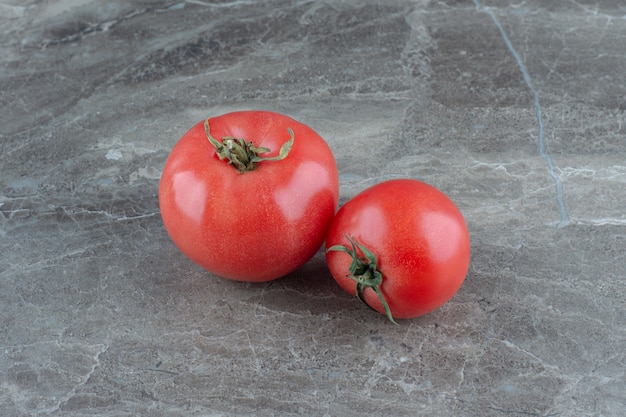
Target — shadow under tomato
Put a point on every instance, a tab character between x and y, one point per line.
311	288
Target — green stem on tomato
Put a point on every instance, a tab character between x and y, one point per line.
243	155
365	272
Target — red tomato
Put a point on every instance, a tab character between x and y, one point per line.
258	224
412	247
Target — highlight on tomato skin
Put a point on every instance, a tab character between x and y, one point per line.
249	195
401	246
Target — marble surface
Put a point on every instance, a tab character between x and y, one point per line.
515	109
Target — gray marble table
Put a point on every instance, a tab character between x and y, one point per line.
515	109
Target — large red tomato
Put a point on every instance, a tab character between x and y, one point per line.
249	195
401	246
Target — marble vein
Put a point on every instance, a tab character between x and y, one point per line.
564	221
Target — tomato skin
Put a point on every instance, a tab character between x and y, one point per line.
254	226
419	238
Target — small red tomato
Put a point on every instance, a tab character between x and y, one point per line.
249	195
401	246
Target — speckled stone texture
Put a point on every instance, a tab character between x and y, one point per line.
515	109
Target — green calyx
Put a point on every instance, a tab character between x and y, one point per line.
242	155
364	271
